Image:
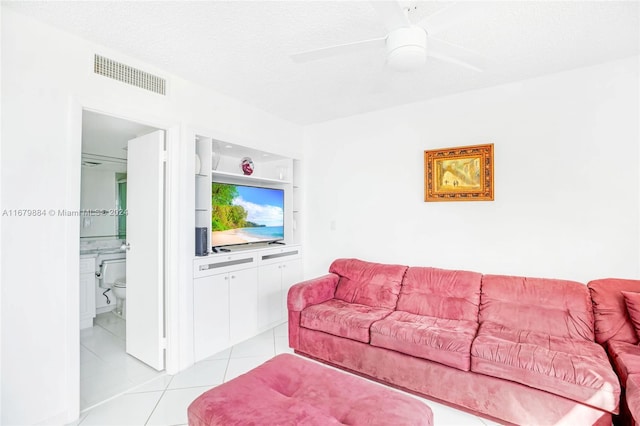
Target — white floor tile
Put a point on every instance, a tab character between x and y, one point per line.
238	366
261	345
134	370
172	408
204	373
282	345
281	330
99	388
106	369
80	420
489	422
113	324
129	409
158	384
87	357
104	345
221	355
92	369
447	416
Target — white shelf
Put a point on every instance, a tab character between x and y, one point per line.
247	178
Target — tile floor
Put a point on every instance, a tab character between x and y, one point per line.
105	368
164	400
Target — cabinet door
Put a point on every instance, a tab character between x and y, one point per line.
243	304
87	300
291	274
210	315
269	295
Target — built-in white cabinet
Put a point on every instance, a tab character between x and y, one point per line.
243	304
269	294
87	291
210	315
242	291
225	300
218	161
240	294
278	270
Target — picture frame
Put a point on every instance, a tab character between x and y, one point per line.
459	174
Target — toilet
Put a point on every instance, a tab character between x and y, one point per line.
113	275
119	288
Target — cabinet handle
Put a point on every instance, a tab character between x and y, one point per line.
226	278
233	276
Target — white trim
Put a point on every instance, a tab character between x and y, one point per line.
72	244
72	258
184	155
173	233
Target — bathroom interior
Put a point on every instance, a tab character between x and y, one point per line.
106	370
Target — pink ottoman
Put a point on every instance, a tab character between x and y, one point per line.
289	390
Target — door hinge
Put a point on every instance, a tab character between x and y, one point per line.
164	156
163	343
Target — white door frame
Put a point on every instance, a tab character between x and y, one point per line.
72	244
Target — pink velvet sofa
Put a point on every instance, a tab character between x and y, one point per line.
616	305
519	350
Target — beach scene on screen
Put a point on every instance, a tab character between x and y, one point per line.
245	214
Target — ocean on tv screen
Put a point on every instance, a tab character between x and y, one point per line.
246	214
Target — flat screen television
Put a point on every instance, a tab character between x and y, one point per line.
245	214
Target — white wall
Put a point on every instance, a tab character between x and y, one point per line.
566	180
46	75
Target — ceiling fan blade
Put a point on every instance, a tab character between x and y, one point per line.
391	14
340	49
451	14
455	54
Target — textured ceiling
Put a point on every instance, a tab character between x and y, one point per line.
242	48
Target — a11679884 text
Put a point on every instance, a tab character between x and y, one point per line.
62	212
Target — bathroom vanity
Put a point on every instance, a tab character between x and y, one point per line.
87	290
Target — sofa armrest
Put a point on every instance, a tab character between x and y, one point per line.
307	293
312	292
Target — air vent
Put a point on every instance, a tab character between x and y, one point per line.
126	74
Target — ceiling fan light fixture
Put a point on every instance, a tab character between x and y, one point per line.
407	48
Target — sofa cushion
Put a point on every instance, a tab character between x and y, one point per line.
446	341
441	293
574	368
632	301
611	318
625	358
548	306
366	283
337	317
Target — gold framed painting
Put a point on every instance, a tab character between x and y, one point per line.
459	174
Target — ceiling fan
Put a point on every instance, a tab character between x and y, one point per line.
408	45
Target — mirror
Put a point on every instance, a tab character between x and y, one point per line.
103	198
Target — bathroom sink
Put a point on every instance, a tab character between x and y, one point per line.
110	250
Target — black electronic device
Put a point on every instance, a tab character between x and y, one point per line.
202	247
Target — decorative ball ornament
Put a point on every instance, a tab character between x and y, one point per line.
247	166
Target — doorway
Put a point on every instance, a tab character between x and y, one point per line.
122	201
